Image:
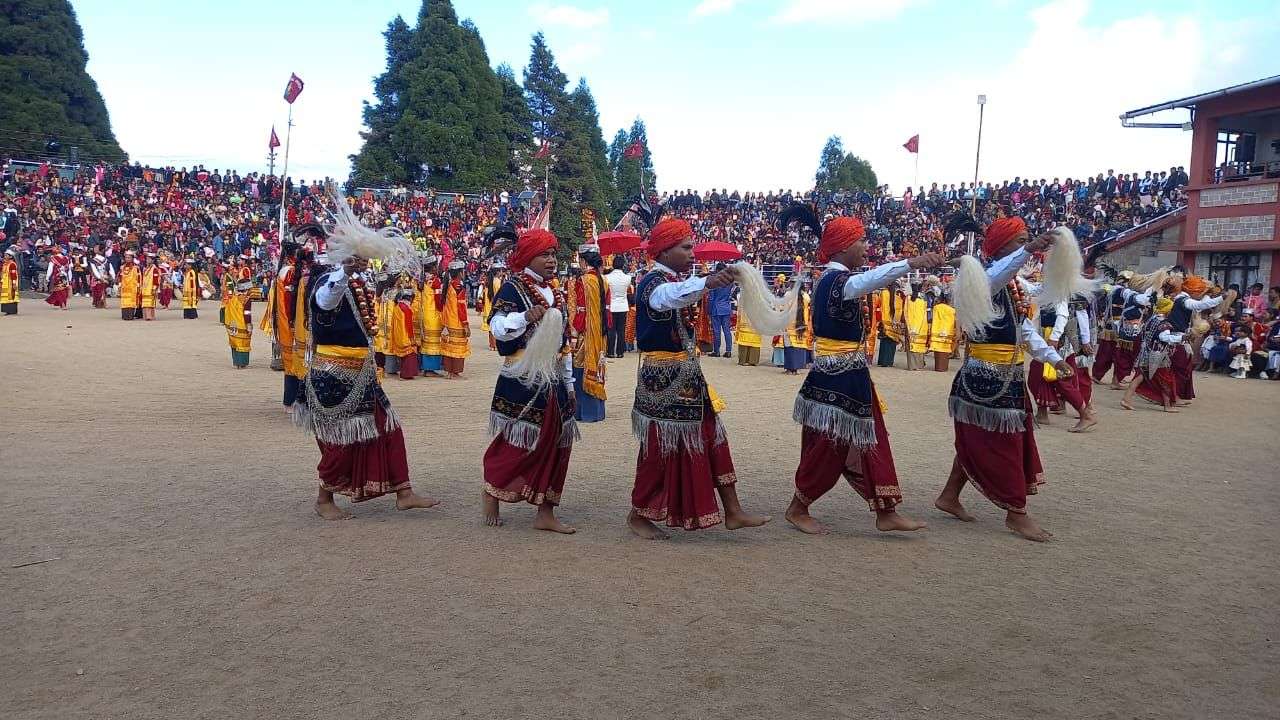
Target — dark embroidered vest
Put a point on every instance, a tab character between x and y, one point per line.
657	330
1180	316
834	317
339	326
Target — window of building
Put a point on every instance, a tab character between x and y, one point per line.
1240	268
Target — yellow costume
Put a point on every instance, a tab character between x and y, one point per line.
589	356
130	278
9	285
456	345
942	332
239	334
916	316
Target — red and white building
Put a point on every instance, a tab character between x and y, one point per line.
1229	231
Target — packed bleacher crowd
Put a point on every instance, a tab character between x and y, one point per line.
215	215
911	223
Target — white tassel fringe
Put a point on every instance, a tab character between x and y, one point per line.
971	297
540	363
768	313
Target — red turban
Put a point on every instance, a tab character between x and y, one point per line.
839	235
667	234
999	233
531	244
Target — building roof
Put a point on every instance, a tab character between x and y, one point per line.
1192	101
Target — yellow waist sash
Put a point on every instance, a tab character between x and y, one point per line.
717	402
824	347
997	353
342	352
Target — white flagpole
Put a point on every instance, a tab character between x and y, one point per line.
284	174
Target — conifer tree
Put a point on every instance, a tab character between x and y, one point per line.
50	103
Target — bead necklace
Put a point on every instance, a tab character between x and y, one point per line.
365	304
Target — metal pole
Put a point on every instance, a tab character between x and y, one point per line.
271	157
284	174
977	156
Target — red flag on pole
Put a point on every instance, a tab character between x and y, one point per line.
634	151
912	145
274	142
544	150
293	89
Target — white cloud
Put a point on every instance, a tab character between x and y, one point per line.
569	16
1041	120
579	52
843	11
713	7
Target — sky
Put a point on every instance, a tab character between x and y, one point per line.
738	94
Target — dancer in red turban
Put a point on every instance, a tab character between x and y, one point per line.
844	434
994	432
684	459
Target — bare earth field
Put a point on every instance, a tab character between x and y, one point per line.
192	579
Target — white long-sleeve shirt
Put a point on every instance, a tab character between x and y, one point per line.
1060	318
1082	322
509	326
1198	305
999	275
1039	349
675	295
1004	269
332	288
871	280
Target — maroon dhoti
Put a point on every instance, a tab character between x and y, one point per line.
58	298
512	474
824	459
1103	360
1003	466
1125	356
680	487
365	470
1180	364
1159	387
1084	383
1053	394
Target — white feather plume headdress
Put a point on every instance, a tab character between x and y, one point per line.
348	238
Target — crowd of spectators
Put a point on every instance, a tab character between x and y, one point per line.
216	214
911	223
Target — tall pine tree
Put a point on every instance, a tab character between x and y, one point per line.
47	95
616	150
630	170
438	119
518	124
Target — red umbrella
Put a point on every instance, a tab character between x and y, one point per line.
715	250
618	241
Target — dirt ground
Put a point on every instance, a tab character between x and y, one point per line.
190	578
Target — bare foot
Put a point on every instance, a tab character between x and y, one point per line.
329	511
1023	525
742	519
492	518
411	500
798	515
1172	409
1126	405
1085	424
1117	387
1184	403
889	521
642	527
547	520
953	508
